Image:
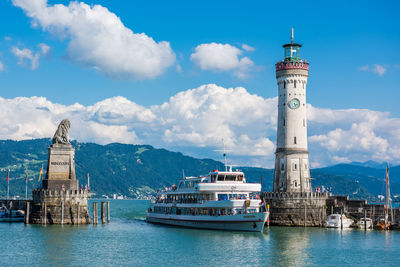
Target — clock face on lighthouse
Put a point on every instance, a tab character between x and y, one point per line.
294	103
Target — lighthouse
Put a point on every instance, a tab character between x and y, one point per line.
292	169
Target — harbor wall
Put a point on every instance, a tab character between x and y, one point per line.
296	208
59	207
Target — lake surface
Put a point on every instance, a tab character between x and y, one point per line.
129	241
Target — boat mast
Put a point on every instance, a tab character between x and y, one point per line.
387	197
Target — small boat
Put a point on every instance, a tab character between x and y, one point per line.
367	222
334	221
380	225
14	216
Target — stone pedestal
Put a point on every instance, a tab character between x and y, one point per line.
60	201
60	207
61	168
297	209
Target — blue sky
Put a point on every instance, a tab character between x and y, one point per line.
352	47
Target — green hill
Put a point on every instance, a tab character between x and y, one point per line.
137	170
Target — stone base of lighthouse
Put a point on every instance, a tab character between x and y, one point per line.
296	209
59	207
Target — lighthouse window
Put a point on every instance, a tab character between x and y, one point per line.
295	84
295	140
283	122
282	167
284	84
295	183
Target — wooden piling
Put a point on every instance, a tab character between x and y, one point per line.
77	213
319	217
45	212
27	213
365	219
62	212
305	215
103	212
94	212
108	211
341	219
11	209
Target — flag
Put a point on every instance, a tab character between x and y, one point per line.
8	175
40	173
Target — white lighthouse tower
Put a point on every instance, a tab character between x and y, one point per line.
292	169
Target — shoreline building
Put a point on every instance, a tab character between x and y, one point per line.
292	202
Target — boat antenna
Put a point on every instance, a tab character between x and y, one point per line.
226	163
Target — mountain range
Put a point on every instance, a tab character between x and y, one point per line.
139	170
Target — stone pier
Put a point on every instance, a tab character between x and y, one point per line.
296	208
73	201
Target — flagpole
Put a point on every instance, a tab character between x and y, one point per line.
26	184
8	184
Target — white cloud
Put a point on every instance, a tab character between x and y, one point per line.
198	119
26	55
375	68
44	48
248	48
222	57
1	66
98	39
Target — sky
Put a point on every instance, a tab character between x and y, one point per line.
195	76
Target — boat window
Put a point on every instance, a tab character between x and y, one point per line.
230	178
240	178
213	178
222	196
220	177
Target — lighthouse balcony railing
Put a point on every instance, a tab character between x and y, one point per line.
287	65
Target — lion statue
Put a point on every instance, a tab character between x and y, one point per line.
61	135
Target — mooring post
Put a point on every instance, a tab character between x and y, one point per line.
341	219
77	213
94	212
365	219
269	215
62	212
45	212
10	209
319	217
103	212
108	211
27	213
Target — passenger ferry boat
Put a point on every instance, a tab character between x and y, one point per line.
221	200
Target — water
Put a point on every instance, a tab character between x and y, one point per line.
129	241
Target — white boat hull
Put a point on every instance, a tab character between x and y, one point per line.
241	222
